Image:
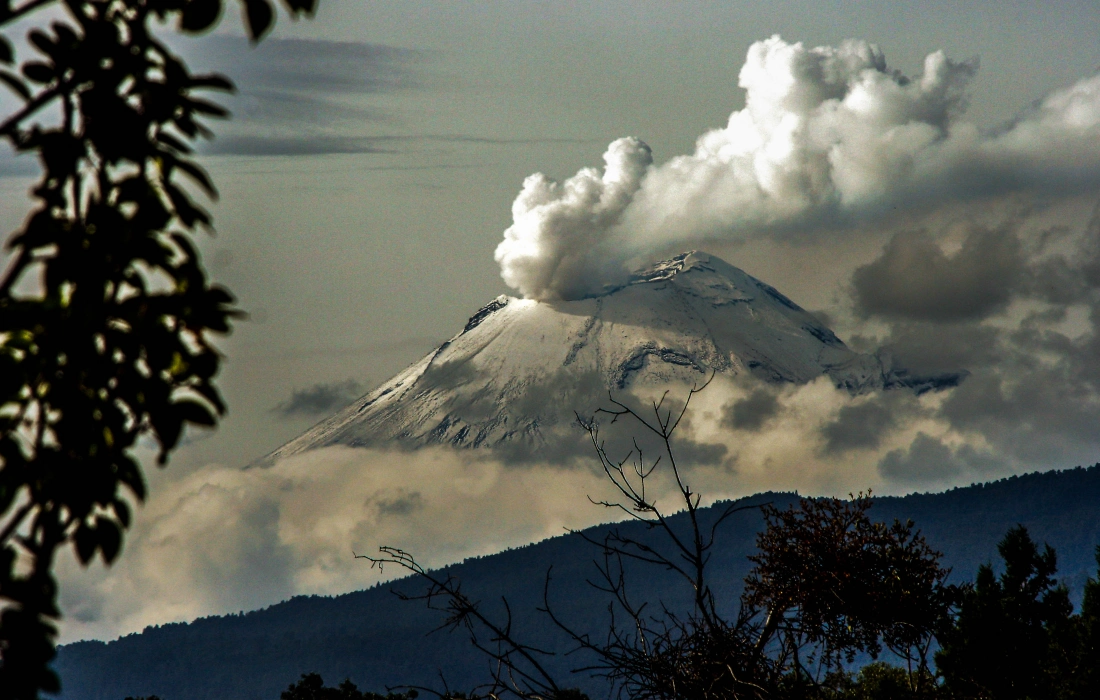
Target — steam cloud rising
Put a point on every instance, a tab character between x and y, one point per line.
827	135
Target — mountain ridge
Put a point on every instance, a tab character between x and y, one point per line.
519	368
379	641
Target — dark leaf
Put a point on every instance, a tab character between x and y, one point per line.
85	541
259	17
195	412
122	512
185	246
173	142
134	189
66	37
130	474
153	214
208	108
200	14
211	394
198	175
110	538
188	213
6	53
59	152
16	84
38	72
168	429
41	41
212	82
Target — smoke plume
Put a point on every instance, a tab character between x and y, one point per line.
559	244
828	135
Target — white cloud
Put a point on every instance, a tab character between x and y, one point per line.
223	539
827	135
219	539
558	240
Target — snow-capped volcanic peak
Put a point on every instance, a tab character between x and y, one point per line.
520	368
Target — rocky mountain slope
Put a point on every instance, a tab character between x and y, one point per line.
520	368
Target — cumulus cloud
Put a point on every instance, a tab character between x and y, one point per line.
1016	305
928	462
828	135
557	245
914	278
224	539
753	411
867	422
319	399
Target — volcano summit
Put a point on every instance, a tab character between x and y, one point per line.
520	368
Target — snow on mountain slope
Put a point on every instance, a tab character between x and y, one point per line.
520	368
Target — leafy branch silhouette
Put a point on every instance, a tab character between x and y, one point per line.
106	312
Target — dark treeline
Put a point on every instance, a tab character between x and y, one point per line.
1012	636
371	639
828	584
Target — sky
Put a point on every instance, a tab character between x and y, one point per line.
374	187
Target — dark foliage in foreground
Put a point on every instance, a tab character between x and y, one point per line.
828	584
312	687
1015	636
106	312
1012	637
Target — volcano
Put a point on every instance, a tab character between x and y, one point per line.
519	369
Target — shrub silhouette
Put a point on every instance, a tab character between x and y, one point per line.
828	583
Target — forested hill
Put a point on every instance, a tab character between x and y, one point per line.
378	641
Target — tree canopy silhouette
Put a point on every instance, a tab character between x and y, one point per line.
312	687
828	583
1016	636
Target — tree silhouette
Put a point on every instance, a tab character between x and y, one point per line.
827	583
312	687
1008	638
829	578
106	311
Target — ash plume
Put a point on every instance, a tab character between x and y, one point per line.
828	135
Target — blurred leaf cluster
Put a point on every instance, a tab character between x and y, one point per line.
106	312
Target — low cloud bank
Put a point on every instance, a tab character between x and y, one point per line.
224	539
220	539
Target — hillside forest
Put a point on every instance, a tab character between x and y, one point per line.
1014	636
836	606
772	596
